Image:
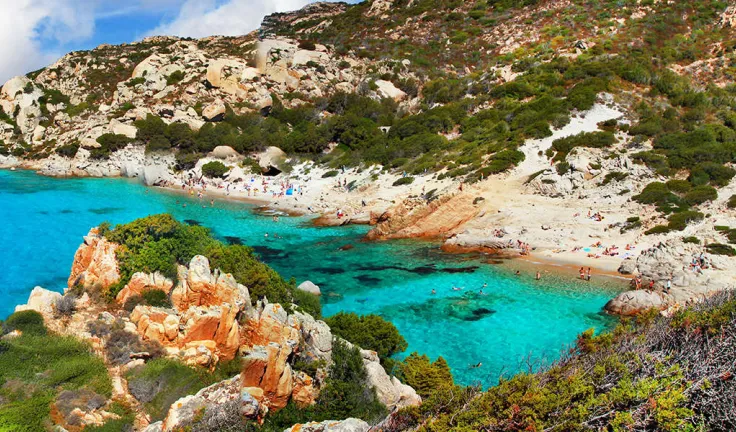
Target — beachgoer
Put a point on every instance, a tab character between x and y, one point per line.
582	273
539	276
668	286
518	273
434	291
476	366
651	285
587	276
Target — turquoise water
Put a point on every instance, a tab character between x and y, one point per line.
42	221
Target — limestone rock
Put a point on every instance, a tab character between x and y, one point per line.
200	287
267	368
304	394
308	286
348	425
41	300
140	282
215	111
184	411
389	390
95	264
388	90
224	153
634	302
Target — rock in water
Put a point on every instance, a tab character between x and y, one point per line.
309	287
634	302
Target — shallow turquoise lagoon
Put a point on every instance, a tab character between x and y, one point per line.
42	221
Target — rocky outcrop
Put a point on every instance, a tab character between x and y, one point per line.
267	376
95	264
348	425
310	287
41	300
202	327
473	241
632	303
189	409
415	218
389	390
141	282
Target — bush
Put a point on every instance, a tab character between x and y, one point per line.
700	195
28	322
109	143
731	202
156	298
175	77
721	249
214	169
307	45
679	186
68	150
370	332
691	240
404	181
36	367
65	306
330	174
161	382
121	343
424	376
679	221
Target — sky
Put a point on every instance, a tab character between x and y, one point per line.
35	33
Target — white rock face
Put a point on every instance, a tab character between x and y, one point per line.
41	300
224	153
387	89
215	111
310	287
389	390
349	425
634	302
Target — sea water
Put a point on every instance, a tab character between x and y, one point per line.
518	321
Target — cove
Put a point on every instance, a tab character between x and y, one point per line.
42	221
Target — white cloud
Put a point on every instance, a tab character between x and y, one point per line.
26	24
200	18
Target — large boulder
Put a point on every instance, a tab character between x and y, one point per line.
635	302
224	153
389	390
267	369
348	425
95	263
210	400
41	300
387	90
215	111
310	287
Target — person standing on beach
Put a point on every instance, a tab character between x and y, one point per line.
539	276
587	275
582	273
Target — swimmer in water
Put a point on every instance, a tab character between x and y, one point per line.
539	275
476	366
518	273
434	291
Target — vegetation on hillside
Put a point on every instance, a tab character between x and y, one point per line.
159	243
653	374
38	369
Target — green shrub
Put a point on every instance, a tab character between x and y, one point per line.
307	45
691	240
731	202
721	249
679	186
659	229
156	297
370	332
424	376
175	77
701	194
404	181
214	169
679	221
68	150
37	366
109	143
330	174
28	322
161	382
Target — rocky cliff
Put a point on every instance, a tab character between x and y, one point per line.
210	320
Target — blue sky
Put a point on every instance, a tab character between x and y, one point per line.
35	33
